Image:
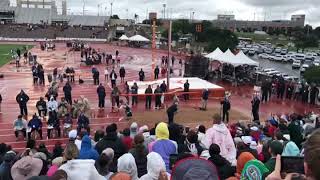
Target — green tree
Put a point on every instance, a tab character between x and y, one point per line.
312	75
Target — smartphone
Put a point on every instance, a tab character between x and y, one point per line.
292	164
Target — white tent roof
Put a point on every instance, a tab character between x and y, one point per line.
214	54
138	38
241	57
124	37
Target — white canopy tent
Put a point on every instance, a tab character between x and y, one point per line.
243	59
138	38
214	54
124	38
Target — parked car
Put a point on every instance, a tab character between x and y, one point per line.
296	64
310	56
279	58
252	52
303	68
271	73
268	50
284	51
263	56
316	62
277	50
291	78
290	57
300	57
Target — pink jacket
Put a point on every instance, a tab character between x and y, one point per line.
219	134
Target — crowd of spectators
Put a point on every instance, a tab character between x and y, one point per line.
172	151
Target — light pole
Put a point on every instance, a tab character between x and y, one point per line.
111	7
164	11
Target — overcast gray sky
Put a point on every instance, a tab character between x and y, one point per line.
204	9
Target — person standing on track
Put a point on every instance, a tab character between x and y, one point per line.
67	92
22	99
255	108
158	94
148	93
134	90
225	108
141	75
113	77
156	72
171	111
186	90
122	73
101	91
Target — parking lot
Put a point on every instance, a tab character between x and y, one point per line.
279	66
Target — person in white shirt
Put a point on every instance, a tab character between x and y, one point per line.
52	105
20	125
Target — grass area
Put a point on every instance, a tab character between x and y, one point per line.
5	49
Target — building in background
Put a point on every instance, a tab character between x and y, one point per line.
229	22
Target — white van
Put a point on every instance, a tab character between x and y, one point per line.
300	57
296	64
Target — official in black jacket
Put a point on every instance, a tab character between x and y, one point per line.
22	99
255	108
186	90
156	72
101	91
158	94
141	75
67	93
148	93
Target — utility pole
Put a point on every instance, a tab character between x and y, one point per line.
164	11
169	51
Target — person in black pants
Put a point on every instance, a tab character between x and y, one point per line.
67	92
83	123
101	91
158	95
115	94
53	124
113	77
148	93
156	72
171	112
96	77
141	75
255	108
42	107
225	108
22	99
186	90
163	87
36	125
122	73
264	89
134	90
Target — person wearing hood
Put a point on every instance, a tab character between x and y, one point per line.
126	139
52	104
22	99
86	151
163	145
36	125
111	140
220	134
79	168
134	129
6	165
242	160
225	170
291	149
127	164
103	162
155	166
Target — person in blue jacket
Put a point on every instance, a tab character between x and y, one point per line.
87	151
36	125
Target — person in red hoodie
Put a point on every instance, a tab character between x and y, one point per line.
126	139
